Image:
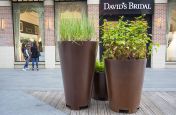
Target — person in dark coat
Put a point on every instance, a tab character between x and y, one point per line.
34	55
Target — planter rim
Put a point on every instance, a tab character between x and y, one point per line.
126	59
77	41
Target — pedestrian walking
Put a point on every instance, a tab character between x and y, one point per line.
35	55
26	56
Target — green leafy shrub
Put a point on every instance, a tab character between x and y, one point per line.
73	29
99	66
126	39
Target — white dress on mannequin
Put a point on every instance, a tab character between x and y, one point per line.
171	50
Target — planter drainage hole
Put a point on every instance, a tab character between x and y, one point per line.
128	110
68	106
123	111
101	99
82	107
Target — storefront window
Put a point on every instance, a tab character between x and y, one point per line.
28	27
171	33
67	10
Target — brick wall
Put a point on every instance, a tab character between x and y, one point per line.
159	23
93	14
49	26
6	35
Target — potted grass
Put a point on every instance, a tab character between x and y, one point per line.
99	91
125	52
77	57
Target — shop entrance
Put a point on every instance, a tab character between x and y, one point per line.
28	28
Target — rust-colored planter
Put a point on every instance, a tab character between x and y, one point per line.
124	82
99	91
77	65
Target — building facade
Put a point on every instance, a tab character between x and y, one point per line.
23	21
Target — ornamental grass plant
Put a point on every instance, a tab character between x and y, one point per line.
75	29
127	39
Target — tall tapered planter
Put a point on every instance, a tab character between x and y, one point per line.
77	65
124	82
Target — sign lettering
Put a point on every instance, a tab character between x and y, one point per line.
126	6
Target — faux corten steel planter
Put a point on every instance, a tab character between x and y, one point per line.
77	65
125	81
99	91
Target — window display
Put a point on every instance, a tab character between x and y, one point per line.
171	34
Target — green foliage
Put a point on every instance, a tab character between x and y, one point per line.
99	66
126	39
73	29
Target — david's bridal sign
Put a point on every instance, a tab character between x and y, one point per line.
111	7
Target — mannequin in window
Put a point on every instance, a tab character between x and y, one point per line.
170	34
172	48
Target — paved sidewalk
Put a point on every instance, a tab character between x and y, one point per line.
51	79
160	80
44	79
15	83
21	103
